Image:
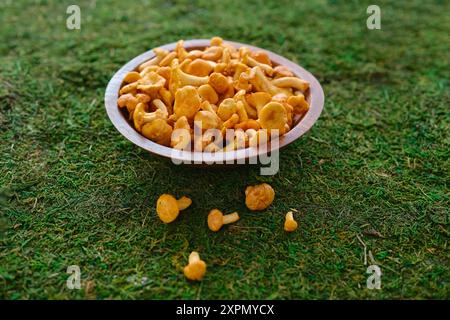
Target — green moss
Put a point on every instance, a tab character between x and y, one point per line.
74	191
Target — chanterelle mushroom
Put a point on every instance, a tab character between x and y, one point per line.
207	120
181	135
140	117
259	197
187	102
216	219
196	268
151	83
273	116
168	208
290	224
158	130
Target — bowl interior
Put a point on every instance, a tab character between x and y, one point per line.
119	118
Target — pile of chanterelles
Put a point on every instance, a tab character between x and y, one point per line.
214	89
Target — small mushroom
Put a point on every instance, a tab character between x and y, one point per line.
241	112
248	111
230	123
132	76
248	60
216	41
181	135
160	54
194	54
149	69
167	97
129	88
179	78
151	83
200	67
168	208
291	82
282	71
261	83
261	57
206	120
299	103
167	60
213	53
165	73
290	224
158	130
258	100
180	50
187	102
127	100
161	106
226	109
259	197
273	116
196	268
140	117
216	219
207	92
219	82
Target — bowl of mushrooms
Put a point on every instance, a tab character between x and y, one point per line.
212	101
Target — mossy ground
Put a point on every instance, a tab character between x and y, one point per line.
75	192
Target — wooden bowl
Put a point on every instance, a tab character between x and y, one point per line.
315	97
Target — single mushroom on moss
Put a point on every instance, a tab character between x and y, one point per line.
216	219
196	268
168	208
259	197
290	224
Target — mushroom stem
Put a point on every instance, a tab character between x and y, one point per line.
291	82
289	216
184	202
194	257
230	218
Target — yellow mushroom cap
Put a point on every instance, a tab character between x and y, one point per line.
167	208
187	102
158	130
215	220
273	116
259	197
207	120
